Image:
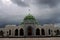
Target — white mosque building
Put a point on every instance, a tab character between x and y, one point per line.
29	27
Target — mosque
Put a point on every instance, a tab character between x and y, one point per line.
28	28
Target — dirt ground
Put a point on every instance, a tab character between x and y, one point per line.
56	38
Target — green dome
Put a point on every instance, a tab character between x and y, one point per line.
29	17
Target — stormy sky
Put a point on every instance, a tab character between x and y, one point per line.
14	11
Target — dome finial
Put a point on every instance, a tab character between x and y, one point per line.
29	10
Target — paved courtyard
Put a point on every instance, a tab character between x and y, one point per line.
56	38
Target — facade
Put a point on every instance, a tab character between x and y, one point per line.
29	27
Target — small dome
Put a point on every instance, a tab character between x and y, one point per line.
29	17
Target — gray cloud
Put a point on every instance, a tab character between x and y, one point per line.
12	14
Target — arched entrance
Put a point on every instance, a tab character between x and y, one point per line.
16	32
37	31
21	32
29	31
42	31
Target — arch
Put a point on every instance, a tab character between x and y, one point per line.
1	33
21	32
9	32
29	30
16	32
37	31
42	31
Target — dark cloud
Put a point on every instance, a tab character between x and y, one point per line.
51	3
54	17
20	3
